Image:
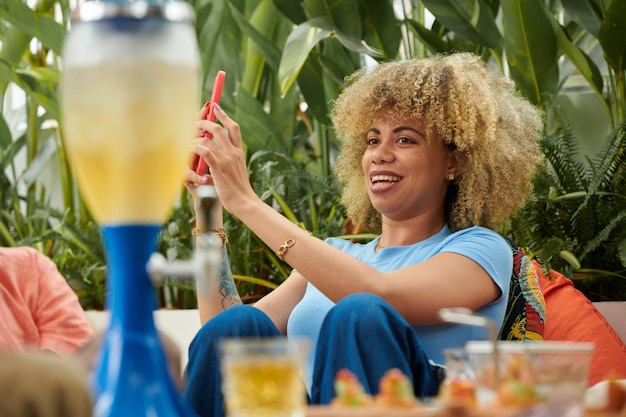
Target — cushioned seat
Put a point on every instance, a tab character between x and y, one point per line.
572	317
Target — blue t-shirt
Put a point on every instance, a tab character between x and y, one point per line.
484	246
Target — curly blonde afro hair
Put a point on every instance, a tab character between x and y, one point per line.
471	108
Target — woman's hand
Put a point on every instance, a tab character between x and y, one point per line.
192	179
224	155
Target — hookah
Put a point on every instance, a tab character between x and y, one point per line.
129	94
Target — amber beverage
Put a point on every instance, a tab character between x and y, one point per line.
264	378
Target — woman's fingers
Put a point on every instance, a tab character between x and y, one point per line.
232	128
204	111
228	131
193	180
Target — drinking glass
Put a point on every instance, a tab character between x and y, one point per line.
459	385
264	377
129	96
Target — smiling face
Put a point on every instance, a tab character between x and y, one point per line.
406	174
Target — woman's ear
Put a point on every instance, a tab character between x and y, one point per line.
456	165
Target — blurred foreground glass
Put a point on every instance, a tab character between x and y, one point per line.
264	377
459	386
129	96
545	379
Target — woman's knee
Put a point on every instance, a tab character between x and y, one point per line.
360	308
237	321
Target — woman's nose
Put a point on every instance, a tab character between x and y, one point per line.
383	153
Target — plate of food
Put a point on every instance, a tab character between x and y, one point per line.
395	398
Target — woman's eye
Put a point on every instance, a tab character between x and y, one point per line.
372	141
404	139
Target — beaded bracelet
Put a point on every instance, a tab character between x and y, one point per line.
220	231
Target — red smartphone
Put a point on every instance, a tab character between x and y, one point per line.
198	163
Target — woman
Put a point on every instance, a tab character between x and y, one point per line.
437	153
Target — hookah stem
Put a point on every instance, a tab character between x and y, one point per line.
131	295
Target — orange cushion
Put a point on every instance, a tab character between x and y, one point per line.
570	316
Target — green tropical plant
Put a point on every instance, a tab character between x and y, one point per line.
541	45
576	222
286	62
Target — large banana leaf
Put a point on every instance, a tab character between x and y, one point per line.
470	19
264	20
304	38
587	13
256	126
430	38
583	63
612	35
214	28
266	48
343	15
381	27
299	44
292	10
531	49
310	79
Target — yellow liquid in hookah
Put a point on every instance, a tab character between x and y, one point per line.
128	128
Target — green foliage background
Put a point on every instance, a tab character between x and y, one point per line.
285	62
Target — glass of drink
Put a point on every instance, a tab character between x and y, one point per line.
459	386
264	377
129	96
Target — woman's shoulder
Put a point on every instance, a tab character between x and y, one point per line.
477	232
348	246
482	239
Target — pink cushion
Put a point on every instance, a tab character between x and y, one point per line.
570	316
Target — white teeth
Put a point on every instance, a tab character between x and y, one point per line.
377	178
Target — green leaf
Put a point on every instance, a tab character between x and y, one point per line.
253	280
38	82
5	136
299	43
337	62
270	52
469	19
310	79
585	13
14	44
292	10
41	84
43	27
531	50
382	29
76	238
586	273
570	258
256	126
584	64
612	35
213	24
430	38
343	15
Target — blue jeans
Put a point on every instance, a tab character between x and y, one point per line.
361	333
